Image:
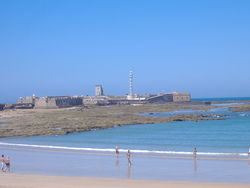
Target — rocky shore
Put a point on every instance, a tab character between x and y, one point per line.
31	122
240	108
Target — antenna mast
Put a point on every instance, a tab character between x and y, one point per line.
131	89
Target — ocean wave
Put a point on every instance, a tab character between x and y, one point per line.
160	152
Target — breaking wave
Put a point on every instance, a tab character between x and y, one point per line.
160	152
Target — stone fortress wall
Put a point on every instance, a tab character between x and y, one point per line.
1	106
57	102
69	101
45	102
50	102
99	99
169	97
180	97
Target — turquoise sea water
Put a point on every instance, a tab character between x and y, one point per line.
223	99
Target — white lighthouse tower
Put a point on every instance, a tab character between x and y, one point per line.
131	88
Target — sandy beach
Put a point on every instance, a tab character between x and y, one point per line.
35	181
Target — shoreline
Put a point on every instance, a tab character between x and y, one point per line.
48	181
201	155
108	165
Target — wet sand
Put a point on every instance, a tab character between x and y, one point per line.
107	165
36	181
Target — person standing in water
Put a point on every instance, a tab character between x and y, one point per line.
117	151
249	153
129	158
194	153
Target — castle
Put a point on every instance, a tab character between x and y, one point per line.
99	99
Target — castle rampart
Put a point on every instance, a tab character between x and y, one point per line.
1	106
58	102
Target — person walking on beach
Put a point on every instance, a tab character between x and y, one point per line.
194	152
7	164
129	156
117	151
3	165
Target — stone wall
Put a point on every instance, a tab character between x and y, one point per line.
2	106
95	100
68	101
181	97
29	99
57	102
170	97
45	102
18	106
160	98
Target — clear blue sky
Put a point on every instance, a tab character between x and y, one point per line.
61	47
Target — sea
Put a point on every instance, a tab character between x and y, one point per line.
159	151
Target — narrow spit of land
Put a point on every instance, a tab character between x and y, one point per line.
31	122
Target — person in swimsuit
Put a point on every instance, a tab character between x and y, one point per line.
7	164
129	156
3	165
117	151
194	153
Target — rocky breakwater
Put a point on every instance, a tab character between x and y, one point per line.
31	122
240	108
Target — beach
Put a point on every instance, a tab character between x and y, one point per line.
63	162
161	152
37	181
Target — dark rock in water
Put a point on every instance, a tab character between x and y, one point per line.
178	120
151	113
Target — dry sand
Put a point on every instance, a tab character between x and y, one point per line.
45	181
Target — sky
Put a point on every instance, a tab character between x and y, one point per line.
59	47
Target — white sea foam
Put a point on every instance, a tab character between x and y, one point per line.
123	150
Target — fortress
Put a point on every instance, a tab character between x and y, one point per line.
69	101
99	99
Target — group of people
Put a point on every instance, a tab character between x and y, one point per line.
5	164
128	155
